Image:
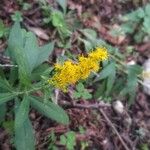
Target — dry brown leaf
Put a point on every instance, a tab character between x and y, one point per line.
39	32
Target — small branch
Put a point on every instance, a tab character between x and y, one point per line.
113	127
85	106
99	107
56	96
7	65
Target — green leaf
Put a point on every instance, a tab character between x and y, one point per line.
146	24
44	53
100	90
25	52
77	94
3	29
63	4
13	76
36	55
41	70
147	10
22	112
31	50
132	82
17	53
17	16
24	136
105	72
15	40
71	140
128	27
2	112
80	87
5	97
58	19
63	140
89	33
88	45
50	110
9	126
5	85
111	79
86	95
139	36
140	13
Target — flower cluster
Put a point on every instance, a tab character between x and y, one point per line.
71	72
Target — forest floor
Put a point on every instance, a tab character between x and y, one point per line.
103	128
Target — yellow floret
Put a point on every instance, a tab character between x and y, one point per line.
71	72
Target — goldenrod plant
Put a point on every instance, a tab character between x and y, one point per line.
29	74
71	72
22	81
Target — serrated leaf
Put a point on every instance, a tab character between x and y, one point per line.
24	136
22	112
50	110
5	97
63	4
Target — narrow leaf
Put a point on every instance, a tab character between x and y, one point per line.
105	72
17	53
24	136
31	50
2	112
5	97
5	85
50	110
111	79
44	53
22	113
63	4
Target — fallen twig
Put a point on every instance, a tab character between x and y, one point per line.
99	107
7	65
84	106
113	127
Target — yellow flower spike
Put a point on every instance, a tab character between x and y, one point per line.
71	72
100	54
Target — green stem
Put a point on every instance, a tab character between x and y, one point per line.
32	90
